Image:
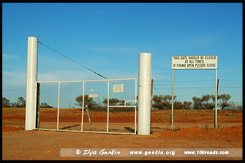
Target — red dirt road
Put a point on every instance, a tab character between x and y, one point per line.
193	130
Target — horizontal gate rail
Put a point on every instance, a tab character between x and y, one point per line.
118	106
80	81
99	132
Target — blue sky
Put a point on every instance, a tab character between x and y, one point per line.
108	38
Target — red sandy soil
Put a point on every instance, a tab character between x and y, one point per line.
193	129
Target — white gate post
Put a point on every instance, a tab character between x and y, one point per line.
30	116
144	112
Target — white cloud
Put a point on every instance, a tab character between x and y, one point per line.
123	76
116	50
229	70
161	63
202	41
15	78
8	57
97	13
159	77
80	75
66	75
18	78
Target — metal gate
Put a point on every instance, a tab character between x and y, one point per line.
98	98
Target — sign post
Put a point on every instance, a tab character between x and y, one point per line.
216	100
195	62
172	113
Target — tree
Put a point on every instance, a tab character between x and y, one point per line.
21	102
213	100
206	104
187	105
87	101
113	101
5	102
224	98
197	103
156	102
239	107
162	102
178	105
12	104
45	105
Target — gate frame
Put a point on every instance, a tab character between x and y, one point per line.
108	106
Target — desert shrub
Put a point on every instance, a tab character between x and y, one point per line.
187	105
5	102
161	102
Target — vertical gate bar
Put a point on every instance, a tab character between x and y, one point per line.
82	108
108	96
58	113
38	106
172	114
135	111
135	120
216	98
35	97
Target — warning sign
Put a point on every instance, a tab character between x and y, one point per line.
93	95
194	62
118	88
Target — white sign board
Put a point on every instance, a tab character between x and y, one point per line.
194	62
93	95
118	88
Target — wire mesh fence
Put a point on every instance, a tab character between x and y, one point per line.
107	106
